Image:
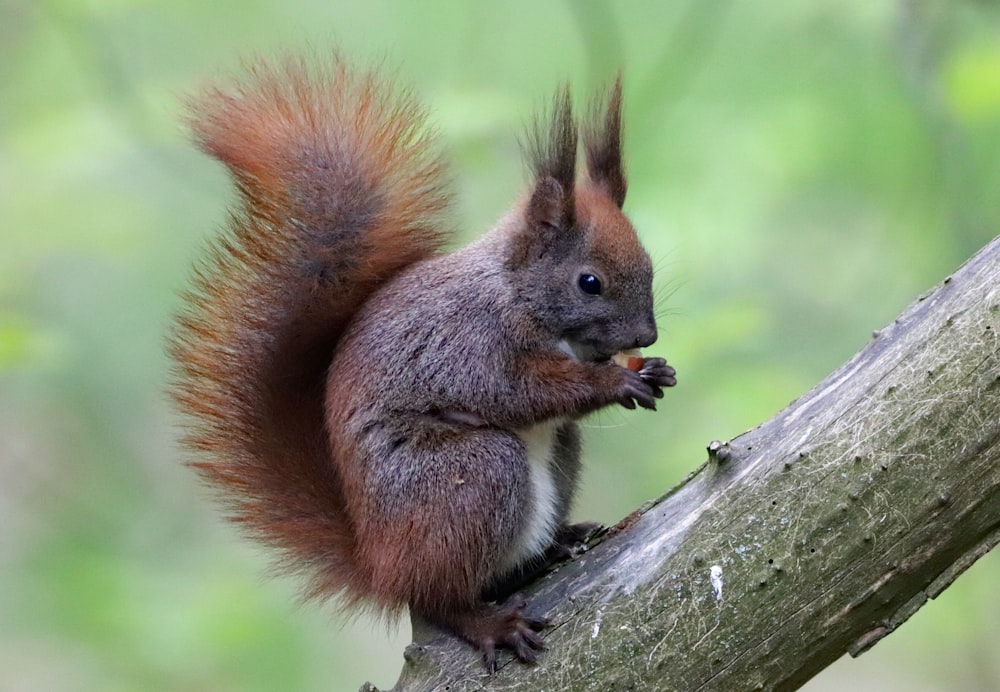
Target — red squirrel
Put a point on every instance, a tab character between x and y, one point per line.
398	421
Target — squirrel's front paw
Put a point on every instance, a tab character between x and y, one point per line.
656	372
645	386
634	390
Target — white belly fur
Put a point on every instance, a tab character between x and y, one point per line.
541	520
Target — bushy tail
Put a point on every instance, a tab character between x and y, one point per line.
339	189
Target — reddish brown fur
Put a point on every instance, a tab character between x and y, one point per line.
325	161
611	234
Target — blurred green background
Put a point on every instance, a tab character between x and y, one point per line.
799	170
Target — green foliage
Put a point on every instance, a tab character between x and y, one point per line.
800	171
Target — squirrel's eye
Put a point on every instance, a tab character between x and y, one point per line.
590	284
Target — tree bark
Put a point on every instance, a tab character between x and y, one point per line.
819	532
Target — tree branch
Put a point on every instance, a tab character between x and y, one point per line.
828	526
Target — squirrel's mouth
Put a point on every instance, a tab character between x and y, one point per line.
583	351
579	350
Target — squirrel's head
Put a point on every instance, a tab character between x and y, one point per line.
576	258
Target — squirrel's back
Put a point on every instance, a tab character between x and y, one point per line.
340	188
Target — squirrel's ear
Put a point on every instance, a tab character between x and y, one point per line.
602	143
551	149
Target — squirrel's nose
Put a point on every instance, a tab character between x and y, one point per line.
646	335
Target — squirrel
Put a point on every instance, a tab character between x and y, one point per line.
398	421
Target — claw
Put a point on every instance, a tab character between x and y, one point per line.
523	650
489	657
536	624
533	639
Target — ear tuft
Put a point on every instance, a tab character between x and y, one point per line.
602	143
551	151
